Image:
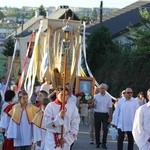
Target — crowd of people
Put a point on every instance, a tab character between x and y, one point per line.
128	115
41	123
44	122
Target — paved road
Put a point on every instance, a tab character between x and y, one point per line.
83	141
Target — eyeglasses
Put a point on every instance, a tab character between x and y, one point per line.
129	92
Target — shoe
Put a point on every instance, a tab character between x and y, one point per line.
97	146
104	146
91	142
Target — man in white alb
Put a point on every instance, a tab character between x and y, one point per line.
123	118
141	125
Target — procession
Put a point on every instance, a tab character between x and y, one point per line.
71	85
50	122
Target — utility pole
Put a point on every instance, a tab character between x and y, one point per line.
22	22
101	12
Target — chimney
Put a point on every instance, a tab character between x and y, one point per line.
63	7
36	13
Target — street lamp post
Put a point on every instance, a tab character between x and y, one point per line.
66	40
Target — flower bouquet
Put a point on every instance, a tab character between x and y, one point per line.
85	98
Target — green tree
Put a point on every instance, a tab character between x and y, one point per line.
94	14
84	18
9	47
134	59
121	65
136	62
140	36
1	15
31	14
42	11
101	51
12	11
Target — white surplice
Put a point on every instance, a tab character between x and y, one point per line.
21	133
38	135
4	122
5	104
52	122
141	127
73	99
124	114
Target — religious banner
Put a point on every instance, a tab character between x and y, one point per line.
57	50
33	65
50	51
25	62
11	65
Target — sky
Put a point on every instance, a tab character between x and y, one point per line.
70	3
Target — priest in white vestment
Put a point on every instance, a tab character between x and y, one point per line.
20	128
53	120
141	126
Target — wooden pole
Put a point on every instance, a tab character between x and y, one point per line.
67	31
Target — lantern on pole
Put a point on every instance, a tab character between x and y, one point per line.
66	40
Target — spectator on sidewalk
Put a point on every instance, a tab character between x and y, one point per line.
84	113
141	98
91	114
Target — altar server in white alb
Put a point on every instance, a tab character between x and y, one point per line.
39	132
141	125
53	120
20	128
